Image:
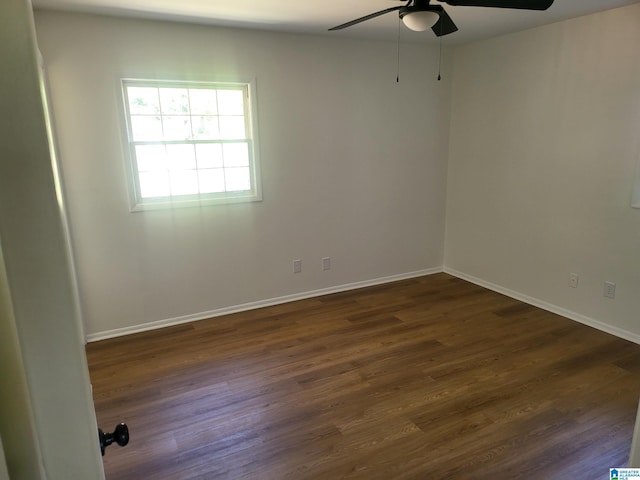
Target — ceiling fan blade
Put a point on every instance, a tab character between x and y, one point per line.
368	17
444	25
522	4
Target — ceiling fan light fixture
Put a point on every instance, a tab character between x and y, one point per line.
421	20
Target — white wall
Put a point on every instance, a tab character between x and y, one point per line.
545	135
542	155
353	166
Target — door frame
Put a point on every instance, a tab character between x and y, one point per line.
38	265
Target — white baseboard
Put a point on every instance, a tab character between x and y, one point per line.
118	332
618	332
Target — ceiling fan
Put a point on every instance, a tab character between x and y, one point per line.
419	15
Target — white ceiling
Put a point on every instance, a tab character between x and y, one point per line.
315	17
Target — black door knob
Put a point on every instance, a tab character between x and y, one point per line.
120	435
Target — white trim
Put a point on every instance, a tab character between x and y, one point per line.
58	179
634	456
94	337
4	471
591	322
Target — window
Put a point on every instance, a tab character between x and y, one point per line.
190	143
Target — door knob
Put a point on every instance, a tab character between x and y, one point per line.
120	435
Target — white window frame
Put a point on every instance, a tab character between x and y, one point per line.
140	203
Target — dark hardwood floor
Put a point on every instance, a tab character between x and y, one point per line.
428	378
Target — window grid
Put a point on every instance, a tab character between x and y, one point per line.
225	170
185	148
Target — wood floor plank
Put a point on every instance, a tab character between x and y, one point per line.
426	378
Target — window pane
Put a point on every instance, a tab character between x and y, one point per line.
236	154
174	100
184	182
154	184
189	141
143	100
181	156
237	179
151	157
177	127
209	155
145	128
211	180
232	128
203	102
206	128
230	102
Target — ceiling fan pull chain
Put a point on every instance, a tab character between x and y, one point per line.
439	59
398	60
440	53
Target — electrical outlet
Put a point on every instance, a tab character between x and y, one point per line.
297	266
326	263
573	280
609	289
